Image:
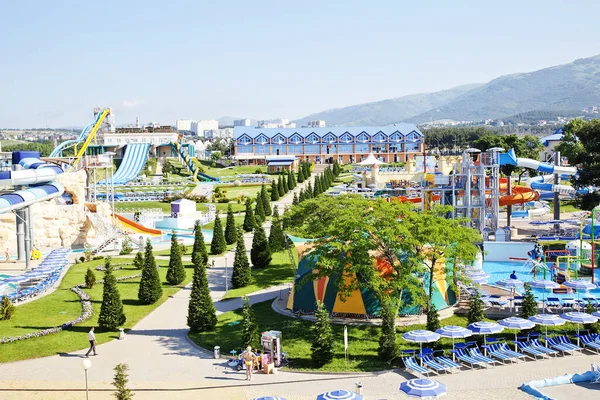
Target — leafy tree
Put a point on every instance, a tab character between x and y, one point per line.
138	260
202	316
529	305
295	200
276	238
240	276
259	211
476	312
274	191
90	278
323	340
120	383
249	329
581	146
249	221
175	272
199	253
265	200
433	319
260	253
7	309
230	230
111	311
126	246
150	287
388	349
280	187
215	155
218	245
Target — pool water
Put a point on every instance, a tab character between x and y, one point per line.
502	270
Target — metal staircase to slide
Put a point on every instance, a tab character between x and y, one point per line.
106	232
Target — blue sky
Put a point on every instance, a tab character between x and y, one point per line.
166	60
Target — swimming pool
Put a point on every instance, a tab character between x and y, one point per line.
502	270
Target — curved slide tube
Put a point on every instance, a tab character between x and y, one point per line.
137	228
85	137
190	165
133	162
36	172
57	152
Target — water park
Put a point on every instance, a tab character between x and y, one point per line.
483	277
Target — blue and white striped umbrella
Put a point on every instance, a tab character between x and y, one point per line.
547	320
421	336
423	388
516	323
510	283
454	332
596	314
339	395
478	277
579	318
485	328
579	284
544	284
268	398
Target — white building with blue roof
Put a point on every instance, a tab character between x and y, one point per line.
390	144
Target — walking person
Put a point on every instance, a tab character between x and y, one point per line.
248	357
92	339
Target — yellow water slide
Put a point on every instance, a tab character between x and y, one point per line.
91	136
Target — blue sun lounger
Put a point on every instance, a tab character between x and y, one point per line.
432	363
462	355
412	365
535	343
438	355
556	344
503	347
590	341
495	351
565	341
476	354
526	348
553	302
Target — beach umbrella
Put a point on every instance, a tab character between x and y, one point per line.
547	320
478	276
340	395
579	285
421	336
485	328
454	332
544	284
423	388
516	323
268	398
510	284
579	318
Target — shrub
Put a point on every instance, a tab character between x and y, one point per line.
529	305
249	221
218	245
476	312
323	341
265	199
276	237
249	328
199	253
7	309
120	383
202	315
90	278
175	272
82	259
240	276
230	230
150	287
433	318
111	311
97	258
126	246
138	260
260	254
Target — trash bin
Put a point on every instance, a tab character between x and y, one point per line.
217	352
121	334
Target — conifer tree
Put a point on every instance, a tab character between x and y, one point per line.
529	305
323	340
280	187
276	238
150	287
317	187
433	318
230	230
138	260
300	175
292	176
90	278
111	311
308	194
199	253
259	211
295	200
249	329
249	221
286	187
176	272
265	200
274	191
240	276
218	245
476	312
260	253
202	315
120	383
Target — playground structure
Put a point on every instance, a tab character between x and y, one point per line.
186	153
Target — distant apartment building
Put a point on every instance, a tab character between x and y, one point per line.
159	137
199	127
390	144
319	123
241	122
276	123
184	124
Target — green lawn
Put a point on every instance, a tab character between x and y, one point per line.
280	271
297	336
166	207
63	305
239	220
188	250
232	171
566	206
235	191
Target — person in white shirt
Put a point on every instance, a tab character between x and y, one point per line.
92	339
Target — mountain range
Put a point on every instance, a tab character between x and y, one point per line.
561	88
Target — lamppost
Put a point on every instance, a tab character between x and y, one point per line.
226	276
86	364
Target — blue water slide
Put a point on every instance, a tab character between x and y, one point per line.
57	152
132	164
34	172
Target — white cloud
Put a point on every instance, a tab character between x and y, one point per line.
130	103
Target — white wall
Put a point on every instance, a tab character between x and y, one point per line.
501	251
184	124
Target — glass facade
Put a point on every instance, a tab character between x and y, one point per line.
345	148
244	149
261	149
282	150
361	148
312	149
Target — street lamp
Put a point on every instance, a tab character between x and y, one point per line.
86	364
226	276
